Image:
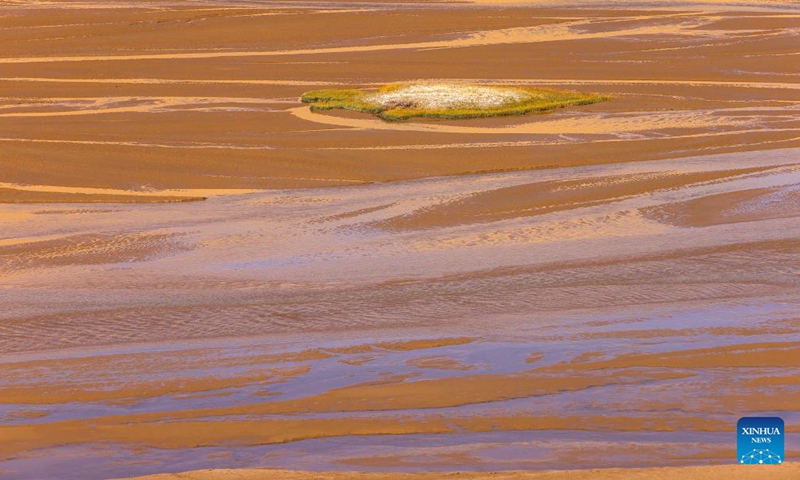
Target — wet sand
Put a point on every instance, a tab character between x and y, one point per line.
197	272
788	471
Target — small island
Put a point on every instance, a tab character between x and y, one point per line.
402	101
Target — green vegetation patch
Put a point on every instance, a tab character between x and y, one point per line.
397	102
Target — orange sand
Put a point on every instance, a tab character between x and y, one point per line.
626	269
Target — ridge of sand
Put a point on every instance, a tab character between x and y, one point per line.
729	472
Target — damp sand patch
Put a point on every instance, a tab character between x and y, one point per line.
397	102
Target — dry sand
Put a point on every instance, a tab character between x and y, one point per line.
348	294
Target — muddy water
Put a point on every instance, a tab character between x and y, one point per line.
218	311
331	292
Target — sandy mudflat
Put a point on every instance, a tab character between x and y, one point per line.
732	472
192	96
605	286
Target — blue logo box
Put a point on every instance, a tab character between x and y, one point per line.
760	440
